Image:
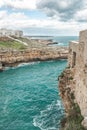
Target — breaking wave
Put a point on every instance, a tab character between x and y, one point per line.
49	119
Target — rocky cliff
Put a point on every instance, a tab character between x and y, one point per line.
12	57
73	84
73	117
13	53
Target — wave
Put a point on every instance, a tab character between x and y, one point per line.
22	65
60	43
29	63
7	68
50	61
49	119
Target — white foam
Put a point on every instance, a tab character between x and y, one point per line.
40	125
22	65
7	68
50	61
5	110
37	124
25	64
60	43
29	63
46	116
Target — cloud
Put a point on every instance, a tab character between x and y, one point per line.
64	10
66	15
10	20
1	3
81	15
19	4
18	20
3	14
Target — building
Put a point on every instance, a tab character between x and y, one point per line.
18	33
8	32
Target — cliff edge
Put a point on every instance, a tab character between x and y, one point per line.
14	52
73	85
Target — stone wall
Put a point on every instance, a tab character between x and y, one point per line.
77	62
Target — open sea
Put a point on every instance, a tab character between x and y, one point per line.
64	40
61	40
29	96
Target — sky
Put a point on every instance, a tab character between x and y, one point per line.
44	17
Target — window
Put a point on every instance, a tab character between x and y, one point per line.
74	59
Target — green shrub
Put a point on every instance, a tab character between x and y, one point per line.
72	96
62	75
70	78
75	118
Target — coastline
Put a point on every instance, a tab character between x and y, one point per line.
14	57
13	51
29	62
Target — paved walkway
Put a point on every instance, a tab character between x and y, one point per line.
18	40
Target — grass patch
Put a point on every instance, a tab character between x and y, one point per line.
12	45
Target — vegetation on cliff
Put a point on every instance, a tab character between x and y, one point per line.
6	43
73	120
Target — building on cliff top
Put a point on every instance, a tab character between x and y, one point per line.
8	32
77	62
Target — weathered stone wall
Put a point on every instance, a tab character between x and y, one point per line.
73	47
78	65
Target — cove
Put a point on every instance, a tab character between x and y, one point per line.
29	96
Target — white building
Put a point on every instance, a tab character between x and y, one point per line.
8	32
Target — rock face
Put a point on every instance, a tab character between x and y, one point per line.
34	51
77	63
1	67
66	85
10	57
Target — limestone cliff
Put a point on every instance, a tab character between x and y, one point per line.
73	81
12	57
13	53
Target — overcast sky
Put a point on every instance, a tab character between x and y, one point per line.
44	17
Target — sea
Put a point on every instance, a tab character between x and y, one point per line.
30	97
61	40
65	40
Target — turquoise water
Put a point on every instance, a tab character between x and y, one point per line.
64	40
29	96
